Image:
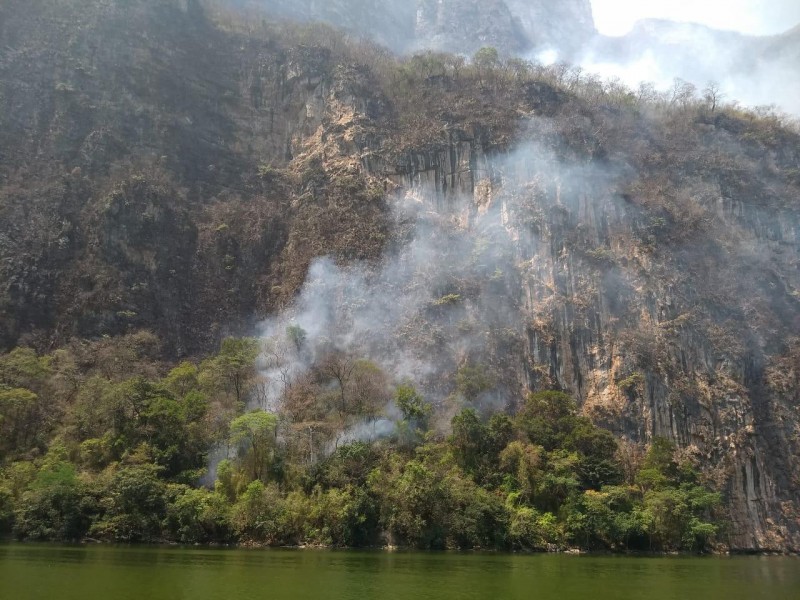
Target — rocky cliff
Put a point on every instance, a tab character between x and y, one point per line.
461	26
657	337
164	170
565	26
754	70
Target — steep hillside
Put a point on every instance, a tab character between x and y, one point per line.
133	144
461	26
753	70
489	228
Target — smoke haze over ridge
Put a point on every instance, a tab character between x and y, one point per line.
751	17
660	41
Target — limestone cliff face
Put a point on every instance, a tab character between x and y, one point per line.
640	337
684	330
563	26
467	26
461	26
389	23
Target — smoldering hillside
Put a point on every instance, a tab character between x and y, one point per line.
644	265
480	229
444	299
448	298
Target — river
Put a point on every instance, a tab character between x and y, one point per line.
29	572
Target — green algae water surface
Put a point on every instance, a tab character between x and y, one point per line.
29	572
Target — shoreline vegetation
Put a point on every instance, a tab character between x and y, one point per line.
572	551
106	443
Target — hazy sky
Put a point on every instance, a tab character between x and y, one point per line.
615	17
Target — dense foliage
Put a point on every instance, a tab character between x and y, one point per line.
98	442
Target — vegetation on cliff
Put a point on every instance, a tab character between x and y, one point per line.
97	443
183	180
176	169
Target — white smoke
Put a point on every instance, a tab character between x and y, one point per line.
751	71
752	17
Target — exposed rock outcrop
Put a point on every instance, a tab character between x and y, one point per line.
461	26
641	338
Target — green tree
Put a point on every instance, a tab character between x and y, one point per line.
121	417
412	405
477	518
559	482
416	413
255	433
197	515
529	529
342	517
231	481
297	336
547	418
261	515
22	367
349	465
597	450
56	506
6	509
523	465
24	422
413	503
173	429
659	468
472	381
183	379
676	509
17	419
486	58
605	519
233	369
133	505
468	441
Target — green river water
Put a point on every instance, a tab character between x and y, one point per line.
90	573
